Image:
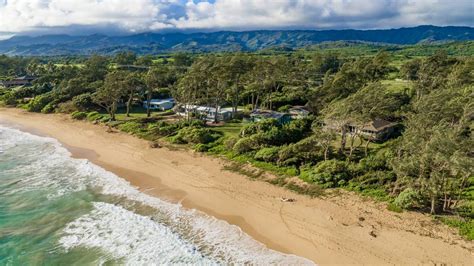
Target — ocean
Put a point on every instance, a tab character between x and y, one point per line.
58	210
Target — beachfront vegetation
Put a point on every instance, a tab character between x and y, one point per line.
425	165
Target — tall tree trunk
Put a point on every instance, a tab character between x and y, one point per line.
129	103
351	147
326	150
216	114
433	204
253	102
367	146
113	110
148	101
343	139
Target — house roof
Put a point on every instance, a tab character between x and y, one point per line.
27	77
160	101
378	125
206	109
299	109
267	114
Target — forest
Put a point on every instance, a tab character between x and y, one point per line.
426	163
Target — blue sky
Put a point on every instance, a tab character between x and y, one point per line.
131	16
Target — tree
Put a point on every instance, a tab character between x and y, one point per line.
132	85
433	72
238	66
156	77
108	95
325	139
125	58
146	60
435	152
371	102
95	68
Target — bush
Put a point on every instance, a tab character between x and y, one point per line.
201	147
376	161
49	108
39	102
394	208
9	99
267	154
331	173
66	107
83	101
246	144
132	127
230	142
93	116
194	135
408	199
465	226
79	115
258	127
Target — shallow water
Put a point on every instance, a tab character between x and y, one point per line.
55	209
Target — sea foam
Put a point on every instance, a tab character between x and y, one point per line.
182	236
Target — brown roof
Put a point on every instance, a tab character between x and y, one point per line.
378	125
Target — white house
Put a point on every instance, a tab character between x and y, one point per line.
205	112
160	104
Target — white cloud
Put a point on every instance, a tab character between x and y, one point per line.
145	15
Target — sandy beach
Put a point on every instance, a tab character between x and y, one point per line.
341	228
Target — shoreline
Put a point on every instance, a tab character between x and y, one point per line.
327	231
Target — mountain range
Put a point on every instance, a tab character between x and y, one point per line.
154	43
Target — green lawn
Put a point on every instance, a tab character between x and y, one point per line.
397	85
135	112
229	129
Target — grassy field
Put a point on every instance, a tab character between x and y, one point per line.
229	129
397	85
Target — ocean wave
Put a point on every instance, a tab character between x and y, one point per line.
194	236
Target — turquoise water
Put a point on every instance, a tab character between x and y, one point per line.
56	210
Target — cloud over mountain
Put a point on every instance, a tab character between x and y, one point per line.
72	16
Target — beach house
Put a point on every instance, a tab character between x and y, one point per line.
377	129
205	112
299	112
159	104
19	81
259	115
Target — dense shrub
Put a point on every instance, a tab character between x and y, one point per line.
371	179
193	135
201	147
66	107
9	99
258	127
304	151
246	144
49	108
331	173
22	92
408	199
229	143
377	161
39	102
267	154
79	115
83	101
94	116
132	127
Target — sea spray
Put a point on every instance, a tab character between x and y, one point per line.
104	216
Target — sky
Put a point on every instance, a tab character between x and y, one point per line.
80	17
